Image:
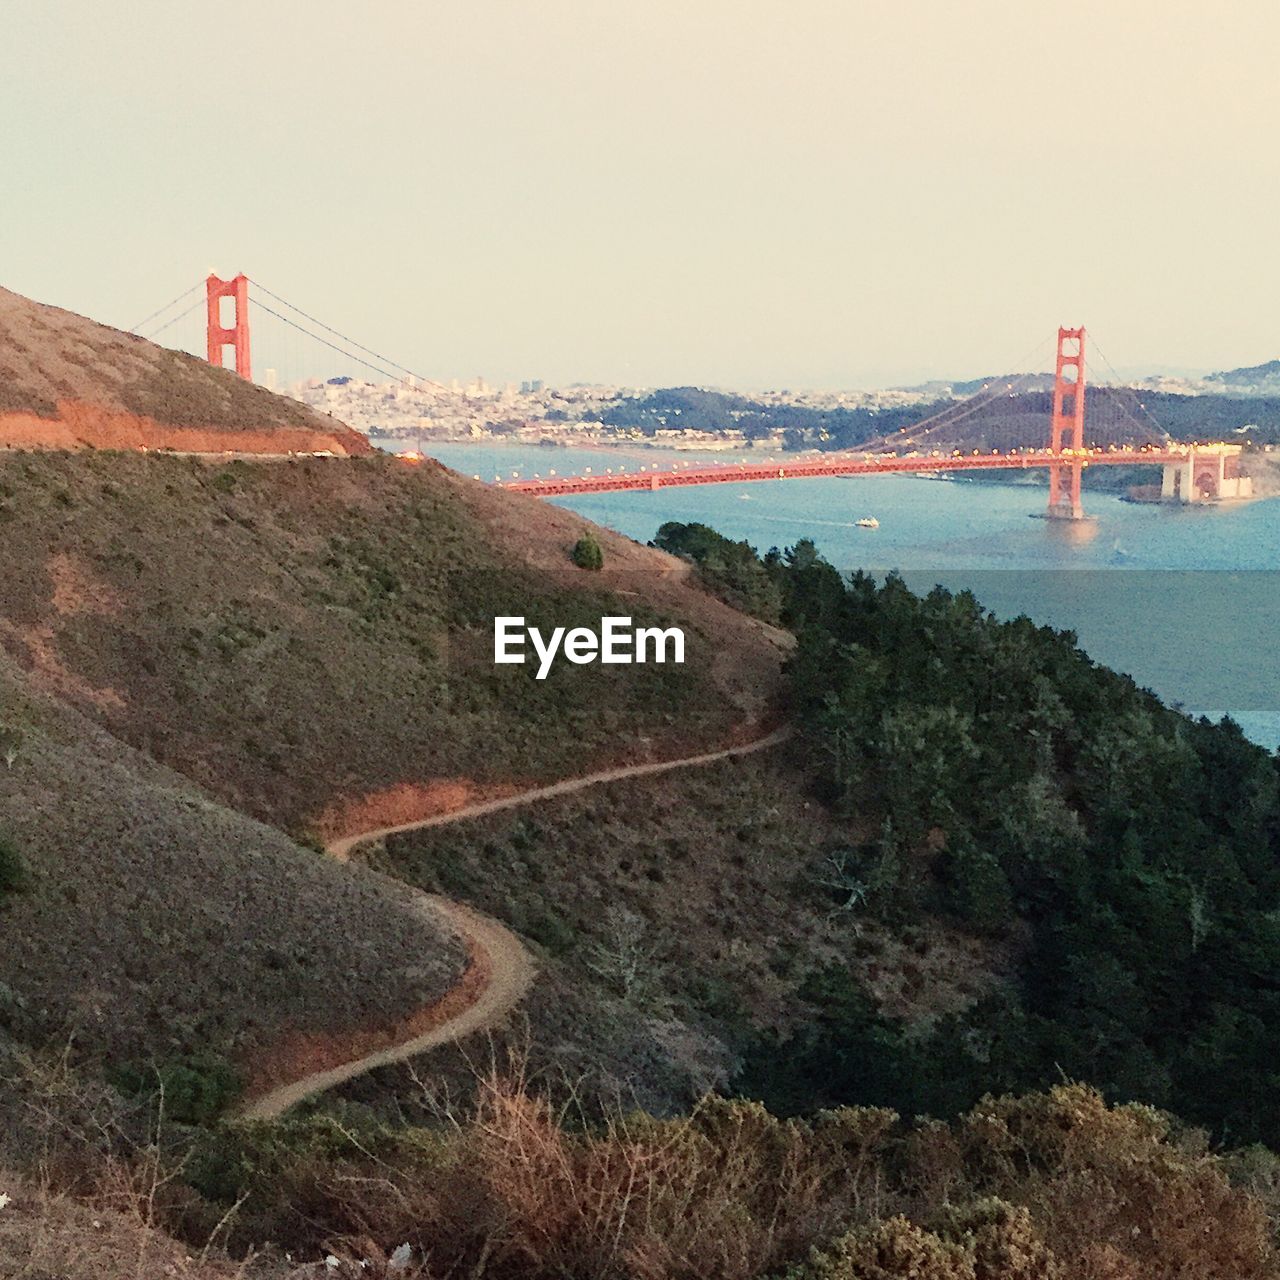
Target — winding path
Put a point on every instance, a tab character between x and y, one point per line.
507	965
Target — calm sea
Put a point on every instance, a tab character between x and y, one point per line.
1187	601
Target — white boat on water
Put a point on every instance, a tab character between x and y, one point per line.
867	522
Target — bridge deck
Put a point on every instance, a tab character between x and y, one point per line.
845	464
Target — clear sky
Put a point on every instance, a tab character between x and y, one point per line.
728	192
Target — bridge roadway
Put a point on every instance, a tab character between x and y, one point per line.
847	464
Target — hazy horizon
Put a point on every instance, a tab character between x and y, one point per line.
749	195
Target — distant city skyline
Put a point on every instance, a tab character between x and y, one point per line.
733	193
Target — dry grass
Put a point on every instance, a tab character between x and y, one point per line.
1050	1185
55	358
1054	1186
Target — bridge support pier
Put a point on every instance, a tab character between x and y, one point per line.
1068	422
1206	475
1064	491
236	334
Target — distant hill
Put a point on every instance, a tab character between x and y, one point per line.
971	386
1258	379
1113	415
67	382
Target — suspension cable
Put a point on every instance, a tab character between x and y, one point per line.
993	387
351	341
332	347
182	315
167	305
1160	431
959	410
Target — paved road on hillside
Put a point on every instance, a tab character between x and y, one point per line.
491	946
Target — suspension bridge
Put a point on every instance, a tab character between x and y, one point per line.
1120	433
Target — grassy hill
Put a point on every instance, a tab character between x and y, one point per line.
143	922
205	663
192	648
304	637
67	382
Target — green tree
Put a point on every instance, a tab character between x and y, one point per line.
587	553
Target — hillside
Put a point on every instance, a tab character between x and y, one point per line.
1258	379
676	920
313	640
67	382
149	924
191	648
209	664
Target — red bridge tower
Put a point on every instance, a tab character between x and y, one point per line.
1068	420
237	334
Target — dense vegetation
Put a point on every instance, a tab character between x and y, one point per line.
1018	1189
13	869
1051	1186
1129	851
731	569
587	553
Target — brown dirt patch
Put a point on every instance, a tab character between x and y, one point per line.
403	803
53	675
79	424
76	590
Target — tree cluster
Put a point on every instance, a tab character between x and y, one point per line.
1129	854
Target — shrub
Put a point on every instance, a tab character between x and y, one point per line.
192	1090
977	888
14	877
587	553
892	1250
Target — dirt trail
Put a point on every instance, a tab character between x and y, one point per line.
509	966
510	971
